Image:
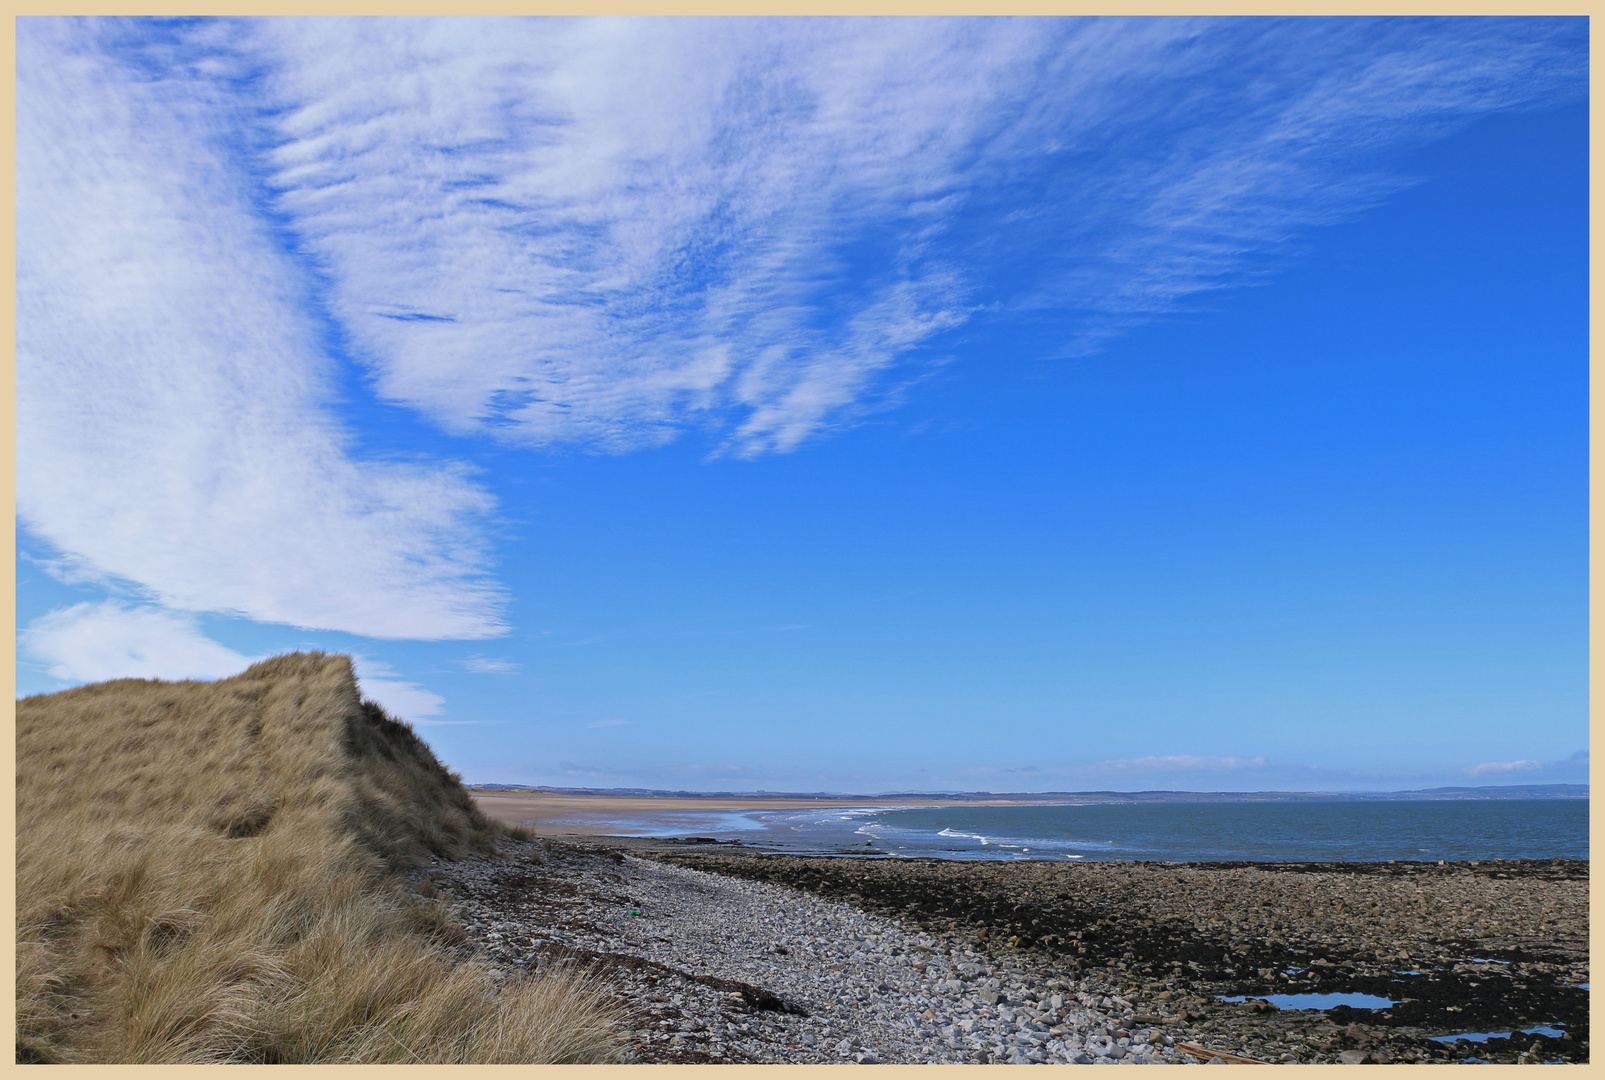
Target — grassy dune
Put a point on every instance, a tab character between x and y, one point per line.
207	872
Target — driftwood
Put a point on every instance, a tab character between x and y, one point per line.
1205	1054
755	997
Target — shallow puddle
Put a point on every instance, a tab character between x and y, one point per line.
1484	1036
1322	1001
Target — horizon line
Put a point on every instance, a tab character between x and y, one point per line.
1558	790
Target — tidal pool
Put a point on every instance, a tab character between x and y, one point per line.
1322	1001
1484	1036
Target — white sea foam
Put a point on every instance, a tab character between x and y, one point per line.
1095	833
1024	843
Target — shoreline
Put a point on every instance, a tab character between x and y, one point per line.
901	827
1440	949
710	968
720	953
557	814
1457	948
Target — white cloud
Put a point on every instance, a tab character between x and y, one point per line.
603	231
595	231
484	665
668	773
607	723
1185	763
1504	767
407	700
91	642
1153	763
173	396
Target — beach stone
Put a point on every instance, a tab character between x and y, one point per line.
863	959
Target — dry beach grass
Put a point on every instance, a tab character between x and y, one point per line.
209	872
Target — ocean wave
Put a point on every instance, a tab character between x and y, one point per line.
1171	833
1028	843
803	817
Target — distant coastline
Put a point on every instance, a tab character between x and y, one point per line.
1491	791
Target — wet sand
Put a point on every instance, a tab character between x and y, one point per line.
549	814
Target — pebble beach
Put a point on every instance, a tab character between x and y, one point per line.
723	955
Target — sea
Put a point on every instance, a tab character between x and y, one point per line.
1405	831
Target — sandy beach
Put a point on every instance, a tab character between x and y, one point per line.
554	814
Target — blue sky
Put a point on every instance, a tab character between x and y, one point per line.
825	405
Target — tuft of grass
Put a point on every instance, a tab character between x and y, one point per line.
208	872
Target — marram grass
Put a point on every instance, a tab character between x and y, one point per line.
208	872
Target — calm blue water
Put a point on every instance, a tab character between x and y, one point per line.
1322	1001
1166	832
1484	1036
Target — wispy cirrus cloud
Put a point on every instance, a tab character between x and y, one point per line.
1152	765
1572	769
1499	767
487	665
602	232
1260	772
670	774
175	422
608	258
1176	772
1188	762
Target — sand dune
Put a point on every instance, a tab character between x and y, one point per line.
208	872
